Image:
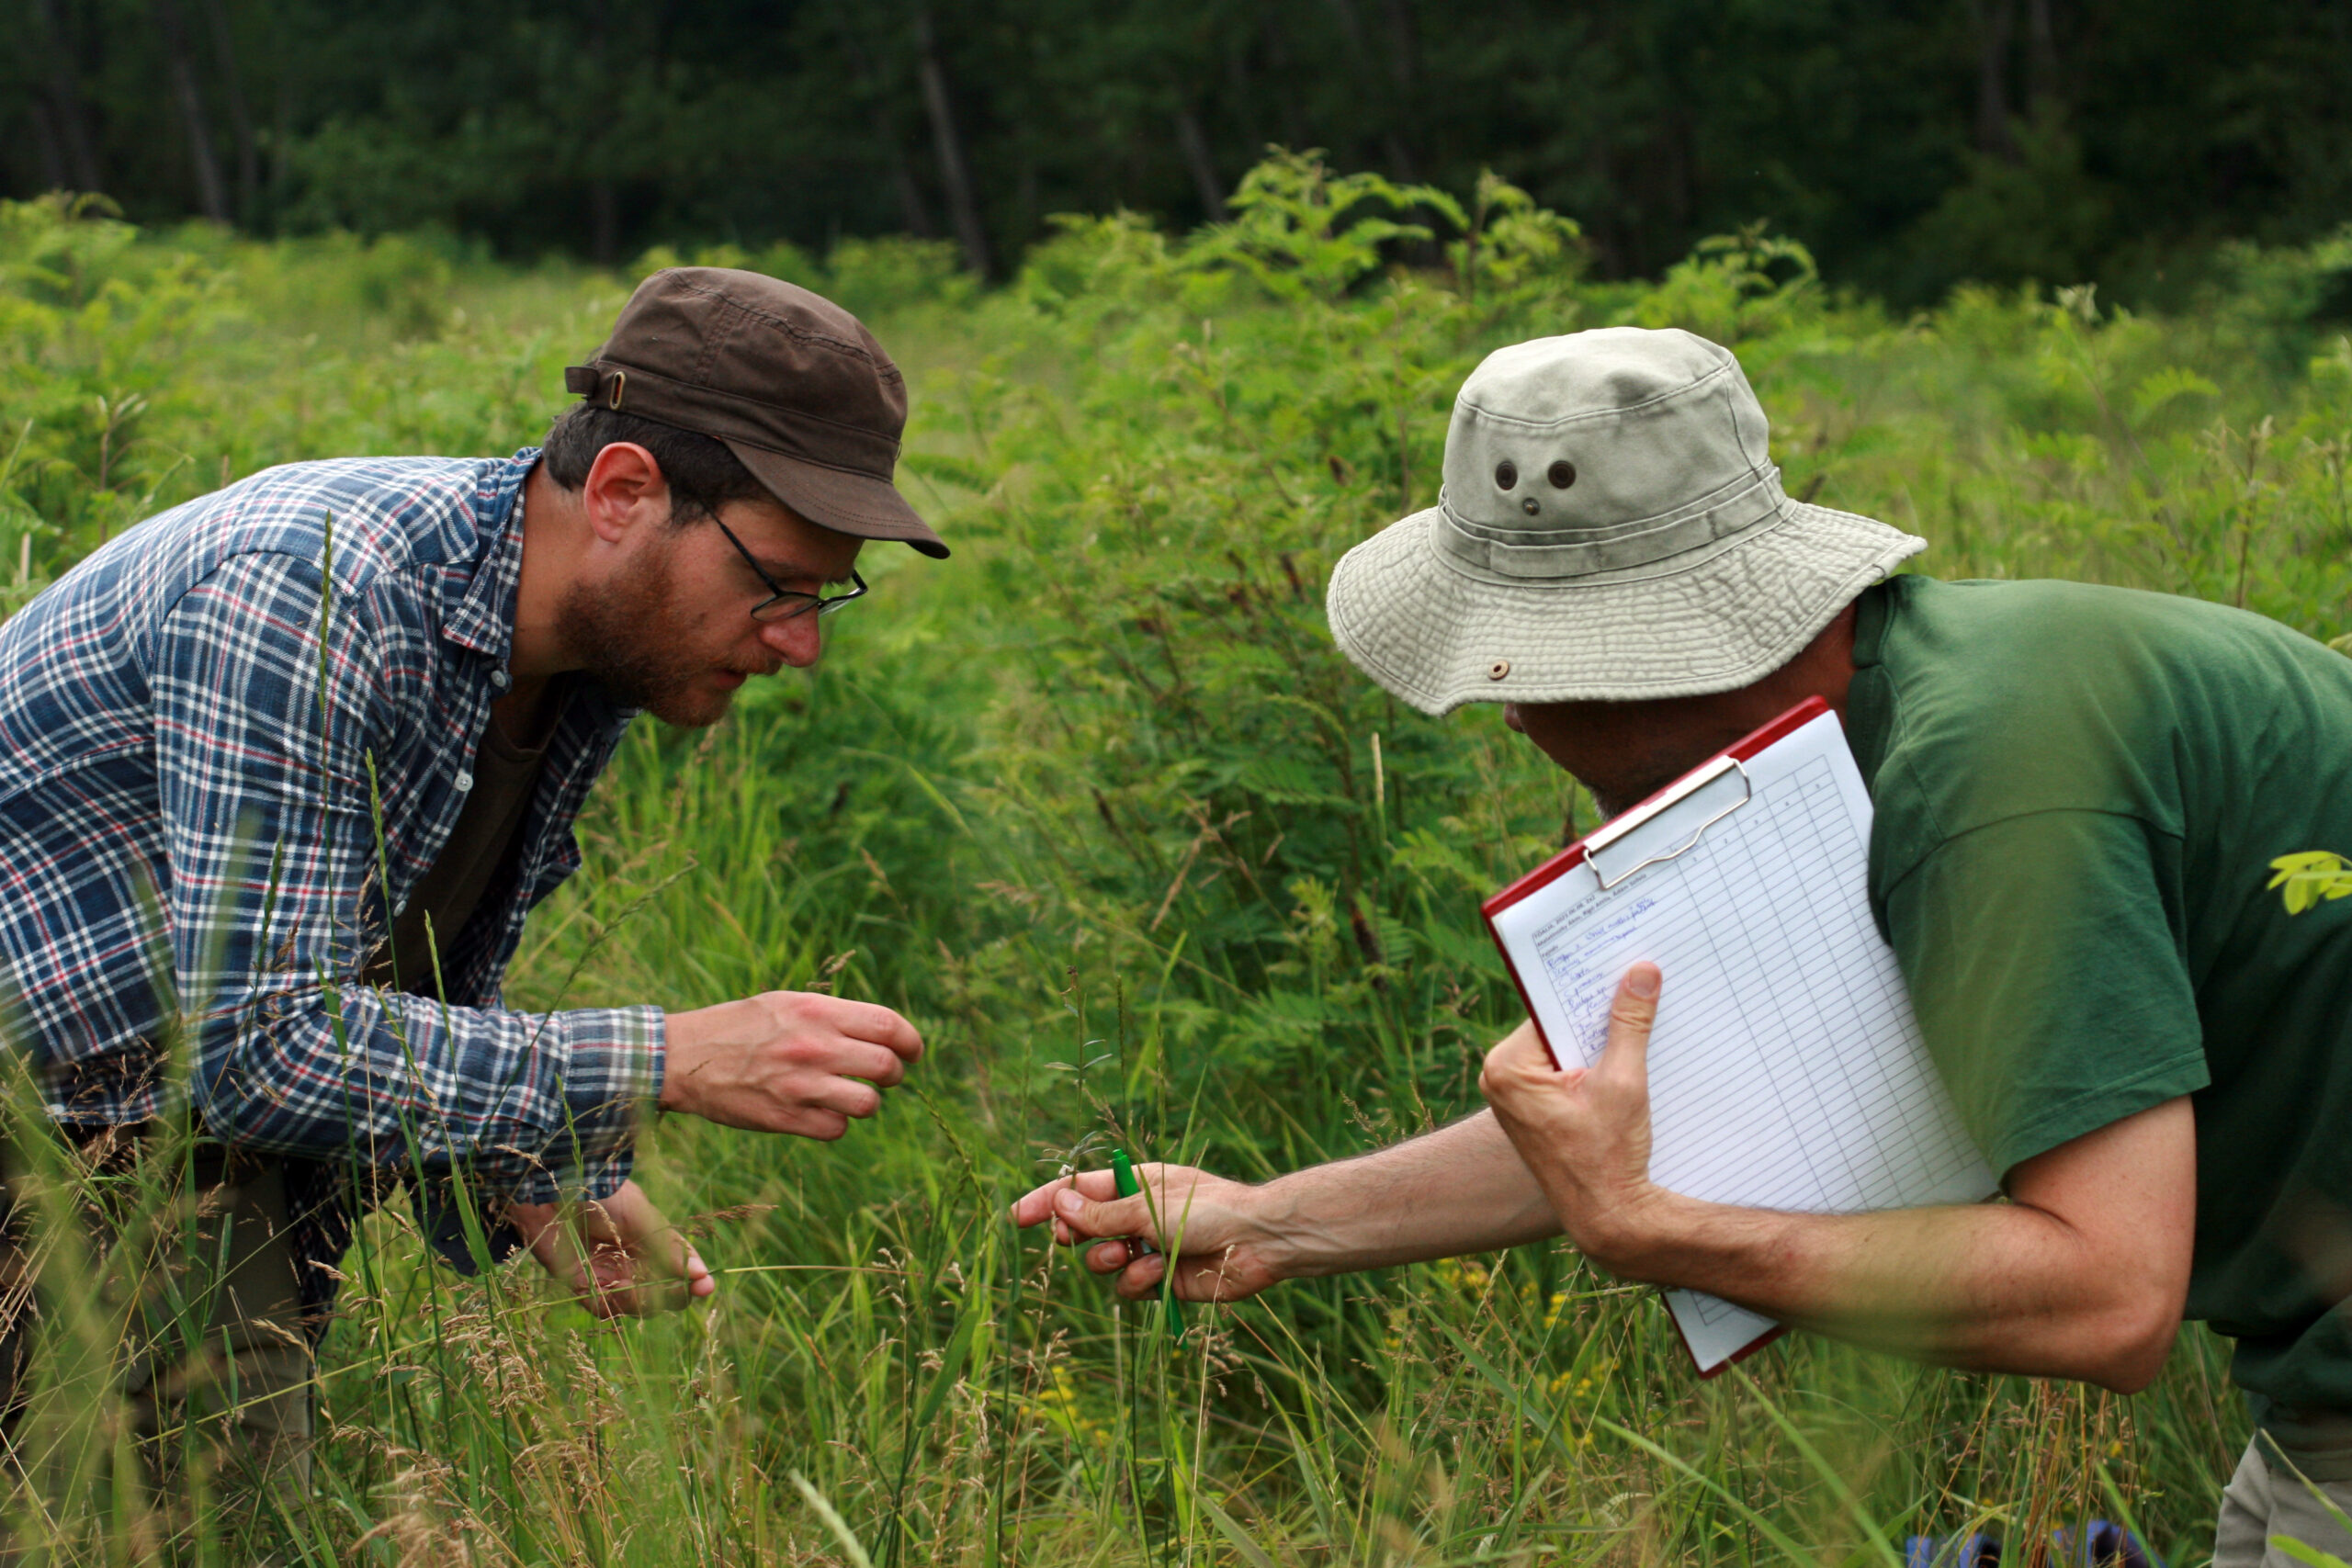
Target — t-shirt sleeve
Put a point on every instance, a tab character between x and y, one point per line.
2048	976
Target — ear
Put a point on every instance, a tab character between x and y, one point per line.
625	493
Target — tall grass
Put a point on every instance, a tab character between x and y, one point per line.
1096	803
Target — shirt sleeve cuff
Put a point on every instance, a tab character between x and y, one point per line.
613	1067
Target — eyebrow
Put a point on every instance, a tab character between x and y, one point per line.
786	571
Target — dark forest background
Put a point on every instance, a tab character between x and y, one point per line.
1911	143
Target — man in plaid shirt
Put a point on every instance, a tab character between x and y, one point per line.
283	770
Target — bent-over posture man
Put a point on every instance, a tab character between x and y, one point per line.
283	770
2078	792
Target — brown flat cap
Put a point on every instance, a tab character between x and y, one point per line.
795	385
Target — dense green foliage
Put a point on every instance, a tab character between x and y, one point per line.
1913	144
1098	803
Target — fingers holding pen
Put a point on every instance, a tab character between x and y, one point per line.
1036	1205
1227	1250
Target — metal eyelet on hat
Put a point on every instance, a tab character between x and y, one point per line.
1498	669
1506	474
1530	506
1562	473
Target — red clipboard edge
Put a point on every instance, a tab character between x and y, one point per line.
1748	746
1736	1358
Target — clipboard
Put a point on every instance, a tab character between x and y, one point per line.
1787	1070
1731	759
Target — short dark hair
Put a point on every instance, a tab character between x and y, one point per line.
703	475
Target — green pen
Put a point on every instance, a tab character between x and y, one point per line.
1123	1173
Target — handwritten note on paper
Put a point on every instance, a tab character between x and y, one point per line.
1786	1069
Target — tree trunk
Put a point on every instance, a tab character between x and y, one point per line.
1296	133
1405	71
2042	42
65	108
241	120
1994	18
603	222
52	156
1404	52
1243	99
281	137
604	203
1195	148
955	174
212	198
1393	141
913	211
1351	22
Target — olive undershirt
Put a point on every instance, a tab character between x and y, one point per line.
480	847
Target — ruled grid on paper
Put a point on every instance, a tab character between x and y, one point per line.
1786	1068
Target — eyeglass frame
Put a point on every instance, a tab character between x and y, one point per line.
778	593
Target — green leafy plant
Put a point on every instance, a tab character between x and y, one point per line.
1302	232
1106	762
1506	239
2305	879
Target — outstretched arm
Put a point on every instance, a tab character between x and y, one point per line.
1460	1188
2081	1273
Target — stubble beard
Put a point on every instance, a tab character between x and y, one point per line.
1623	793
628	638
1633	785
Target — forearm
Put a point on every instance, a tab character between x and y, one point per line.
1460	1188
384	1078
2083	1274
1995	1287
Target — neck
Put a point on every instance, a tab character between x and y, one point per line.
1624	750
555	528
1826	669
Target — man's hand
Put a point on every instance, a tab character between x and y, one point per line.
787	1062
1585	1133
1227	1252
618	1255
2082	1274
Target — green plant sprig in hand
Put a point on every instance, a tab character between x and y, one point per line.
2306	878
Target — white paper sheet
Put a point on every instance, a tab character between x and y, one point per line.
1786	1069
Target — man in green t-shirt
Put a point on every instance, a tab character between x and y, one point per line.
2078	794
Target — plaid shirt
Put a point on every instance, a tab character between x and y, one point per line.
191	780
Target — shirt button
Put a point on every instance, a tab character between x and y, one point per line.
501	679
401	908
465	783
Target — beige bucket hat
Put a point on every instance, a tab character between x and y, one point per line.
1610	527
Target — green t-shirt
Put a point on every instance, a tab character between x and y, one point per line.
2080	791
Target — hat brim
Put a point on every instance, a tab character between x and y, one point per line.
846	502
1440	634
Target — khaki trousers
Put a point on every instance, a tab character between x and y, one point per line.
2267	1500
211	1360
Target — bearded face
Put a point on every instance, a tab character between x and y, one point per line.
671	632
660	612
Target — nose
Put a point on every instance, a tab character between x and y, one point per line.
798	642
1510	717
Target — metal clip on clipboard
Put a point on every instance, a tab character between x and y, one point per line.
1640	815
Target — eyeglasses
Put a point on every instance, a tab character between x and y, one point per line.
784	603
